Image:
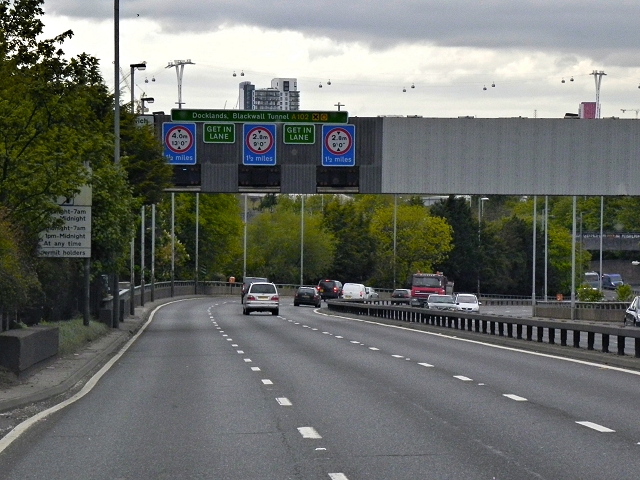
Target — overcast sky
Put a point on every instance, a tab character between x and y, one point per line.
443	53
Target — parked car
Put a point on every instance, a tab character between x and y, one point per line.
307	296
246	281
632	314
329	289
468	302
353	291
401	293
611	280
261	297
441	302
370	293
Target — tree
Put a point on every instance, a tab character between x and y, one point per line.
464	260
422	241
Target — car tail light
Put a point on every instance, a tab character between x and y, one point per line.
275	297
251	297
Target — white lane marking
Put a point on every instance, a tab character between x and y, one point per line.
338	476
247	360
225	335
463	378
234	344
355	341
596	427
19	429
314	329
601	366
397	356
308	432
284	401
326	333
266	381
255	369
426	365
229	339
240	351
515	397
374	348
338	336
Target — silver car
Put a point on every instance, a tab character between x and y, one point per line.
261	297
441	302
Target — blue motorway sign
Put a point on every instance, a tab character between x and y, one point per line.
259	146
338	145
179	143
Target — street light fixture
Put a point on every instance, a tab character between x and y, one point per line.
144	100
134	67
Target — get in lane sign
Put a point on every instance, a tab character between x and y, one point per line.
179	143
338	145
259	146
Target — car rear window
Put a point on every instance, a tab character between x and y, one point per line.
262	288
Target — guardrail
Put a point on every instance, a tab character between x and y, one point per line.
531	329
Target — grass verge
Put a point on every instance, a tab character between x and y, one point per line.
74	334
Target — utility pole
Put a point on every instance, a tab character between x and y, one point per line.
179	64
597	75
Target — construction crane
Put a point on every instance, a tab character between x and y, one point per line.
631	110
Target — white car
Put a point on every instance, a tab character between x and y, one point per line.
261	297
468	302
370	293
353	291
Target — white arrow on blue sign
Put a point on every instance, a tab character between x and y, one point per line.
179	143
338	145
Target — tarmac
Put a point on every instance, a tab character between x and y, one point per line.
58	375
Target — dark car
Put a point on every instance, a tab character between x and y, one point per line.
329	289
401	293
306	296
246	281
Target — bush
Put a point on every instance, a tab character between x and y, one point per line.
74	335
586	293
624	293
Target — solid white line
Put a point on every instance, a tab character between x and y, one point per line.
601	366
426	364
284	401
596	427
255	369
266	381
308	432
463	378
515	397
338	476
22	427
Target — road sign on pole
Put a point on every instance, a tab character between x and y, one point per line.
179	143
259	146
338	145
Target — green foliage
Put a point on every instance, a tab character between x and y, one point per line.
422	241
74	335
624	293
586	293
274	246
220	234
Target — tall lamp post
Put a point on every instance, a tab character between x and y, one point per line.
481	201
144	100
132	284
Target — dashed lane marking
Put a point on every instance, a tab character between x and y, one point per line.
463	378
515	397
284	401
308	432
595	426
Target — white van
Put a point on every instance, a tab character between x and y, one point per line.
370	293
353	291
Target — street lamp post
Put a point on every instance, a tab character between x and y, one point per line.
144	100
481	201
132	284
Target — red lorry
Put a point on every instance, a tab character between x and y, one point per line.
424	284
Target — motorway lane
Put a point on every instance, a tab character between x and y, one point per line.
209	393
